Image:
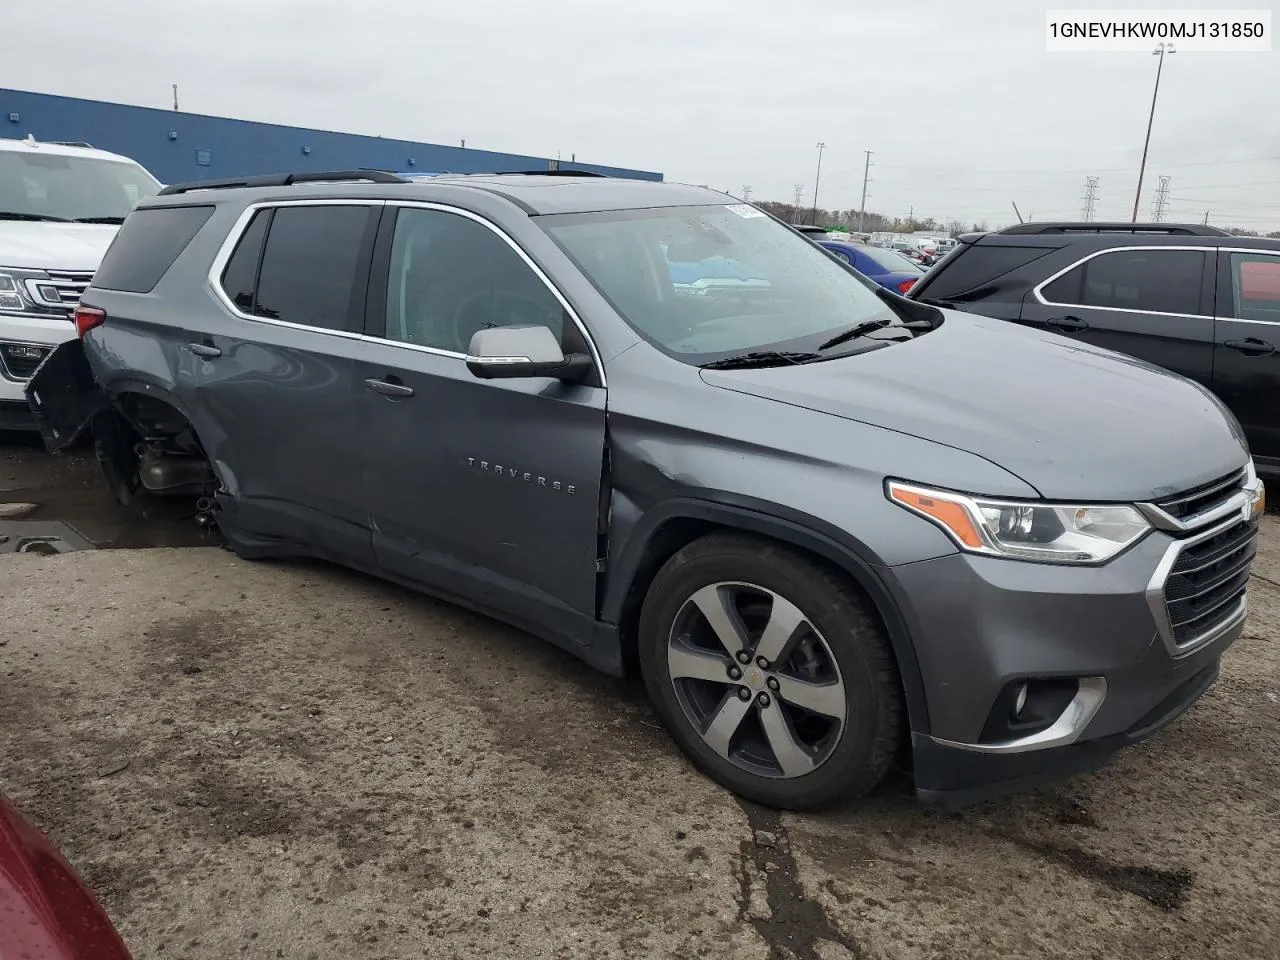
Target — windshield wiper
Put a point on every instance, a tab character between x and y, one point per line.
857	330
760	358
99	219
39	217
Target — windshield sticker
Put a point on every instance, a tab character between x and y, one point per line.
745	210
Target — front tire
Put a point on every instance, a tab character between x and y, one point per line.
771	671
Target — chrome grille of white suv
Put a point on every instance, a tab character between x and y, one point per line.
63	289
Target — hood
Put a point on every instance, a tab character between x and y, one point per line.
1074	421
54	246
51	915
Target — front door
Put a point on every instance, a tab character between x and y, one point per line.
269	385
1154	303
486	491
1246	371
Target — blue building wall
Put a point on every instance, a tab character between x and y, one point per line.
177	146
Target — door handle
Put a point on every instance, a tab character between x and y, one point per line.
205	350
1065	324
1251	346
389	388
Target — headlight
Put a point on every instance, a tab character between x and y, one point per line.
1047	532
13	292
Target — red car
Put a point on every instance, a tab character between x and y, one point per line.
48	912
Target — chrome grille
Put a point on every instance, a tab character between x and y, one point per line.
1206	584
63	289
1203	498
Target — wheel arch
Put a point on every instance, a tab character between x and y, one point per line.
668	527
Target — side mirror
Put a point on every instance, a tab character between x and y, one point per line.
510	353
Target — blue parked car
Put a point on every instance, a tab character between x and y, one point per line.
884	266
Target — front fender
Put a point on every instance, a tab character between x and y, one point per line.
731	511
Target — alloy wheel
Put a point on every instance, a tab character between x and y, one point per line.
756	679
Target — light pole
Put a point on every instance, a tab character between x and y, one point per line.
813	217
1160	50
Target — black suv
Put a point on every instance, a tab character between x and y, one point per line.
1190	298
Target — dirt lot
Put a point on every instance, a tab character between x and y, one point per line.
289	760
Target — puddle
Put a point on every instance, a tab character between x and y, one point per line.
74	510
41	537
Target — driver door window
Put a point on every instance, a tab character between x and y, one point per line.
451	276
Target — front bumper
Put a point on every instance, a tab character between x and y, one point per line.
980	624
28	332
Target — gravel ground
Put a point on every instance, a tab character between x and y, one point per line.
290	760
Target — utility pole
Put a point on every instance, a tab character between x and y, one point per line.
911	216
175	96
1162	200
813	218
799	197
1090	199
866	178
1160	50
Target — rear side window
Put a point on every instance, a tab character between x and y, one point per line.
1160	281
241	274
309	266
978	265
146	246
1255	286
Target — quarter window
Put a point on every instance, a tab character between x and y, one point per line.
241	274
309	266
1159	281
1255	284
451	276
147	245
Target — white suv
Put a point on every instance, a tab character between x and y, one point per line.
60	207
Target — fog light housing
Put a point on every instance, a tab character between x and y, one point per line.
1027	706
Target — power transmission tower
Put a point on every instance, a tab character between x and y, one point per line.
1161	202
746	192
1090	199
799	196
866	178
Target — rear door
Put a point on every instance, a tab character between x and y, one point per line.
1246	372
269	383
1154	303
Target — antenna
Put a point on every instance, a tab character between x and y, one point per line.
175	96
1015	210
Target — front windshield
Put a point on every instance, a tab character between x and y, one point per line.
40	185
708	282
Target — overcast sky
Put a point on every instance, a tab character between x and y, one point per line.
962	106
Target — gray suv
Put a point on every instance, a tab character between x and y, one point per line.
577	404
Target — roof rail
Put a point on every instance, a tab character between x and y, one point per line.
70	143
1179	229
284	180
544	173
